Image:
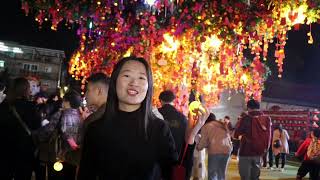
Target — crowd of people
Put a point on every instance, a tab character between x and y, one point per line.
117	134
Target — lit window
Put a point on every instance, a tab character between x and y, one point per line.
1	64
48	69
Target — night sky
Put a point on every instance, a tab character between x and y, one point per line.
302	63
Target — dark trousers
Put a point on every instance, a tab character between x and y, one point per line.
20	171
309	166
40	170
283	159
270	156
19	168
249	167
236	145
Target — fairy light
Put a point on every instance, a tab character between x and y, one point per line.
150	2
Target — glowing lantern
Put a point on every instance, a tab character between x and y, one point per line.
57	166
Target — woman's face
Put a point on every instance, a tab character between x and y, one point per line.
131	86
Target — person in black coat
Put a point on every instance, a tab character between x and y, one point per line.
129	142
176	120
19	152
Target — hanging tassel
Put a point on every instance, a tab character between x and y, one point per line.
310	41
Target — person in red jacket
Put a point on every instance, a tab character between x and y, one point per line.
308	165
302	150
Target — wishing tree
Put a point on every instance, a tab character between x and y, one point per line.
190	44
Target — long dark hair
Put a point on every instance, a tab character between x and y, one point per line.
113	101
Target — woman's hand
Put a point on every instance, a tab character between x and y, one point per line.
200	118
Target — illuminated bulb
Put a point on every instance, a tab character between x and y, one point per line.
244	78
46	19
98	2
113	44
115	4
57	166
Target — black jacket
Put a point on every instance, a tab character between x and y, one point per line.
116	149
17	141
177	123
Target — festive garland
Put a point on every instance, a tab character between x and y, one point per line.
191	44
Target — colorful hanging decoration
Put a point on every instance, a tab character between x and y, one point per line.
190	44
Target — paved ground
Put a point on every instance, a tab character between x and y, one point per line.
289	173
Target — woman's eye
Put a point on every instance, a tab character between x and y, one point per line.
143	78
126	75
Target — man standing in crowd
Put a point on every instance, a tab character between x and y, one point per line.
176	120
228	123
96	97
254	132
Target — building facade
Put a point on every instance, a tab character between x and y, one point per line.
33	62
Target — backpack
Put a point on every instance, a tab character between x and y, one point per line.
261	134
314	150
277	143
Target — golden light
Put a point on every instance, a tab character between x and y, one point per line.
128	53
58	166
244	78
207	88
212	42
170	44
298	15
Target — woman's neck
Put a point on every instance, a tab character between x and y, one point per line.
128	108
